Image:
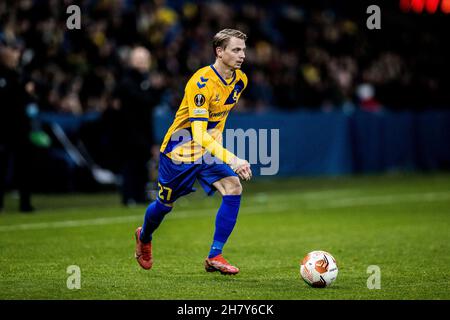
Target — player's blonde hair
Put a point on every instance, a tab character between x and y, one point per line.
222	38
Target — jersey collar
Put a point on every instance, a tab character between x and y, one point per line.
222	79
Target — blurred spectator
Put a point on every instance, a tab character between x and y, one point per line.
139	93
15	125
366	98
302	55
317	55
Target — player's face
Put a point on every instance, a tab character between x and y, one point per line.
234	54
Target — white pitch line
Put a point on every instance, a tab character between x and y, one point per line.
183	214
69	223
387	199
122	219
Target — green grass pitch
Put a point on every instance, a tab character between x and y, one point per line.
400	223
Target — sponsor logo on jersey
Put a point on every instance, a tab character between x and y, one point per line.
200	112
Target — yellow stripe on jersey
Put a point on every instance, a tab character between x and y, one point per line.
200	119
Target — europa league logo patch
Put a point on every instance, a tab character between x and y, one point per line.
199	100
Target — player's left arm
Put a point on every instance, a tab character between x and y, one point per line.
241	166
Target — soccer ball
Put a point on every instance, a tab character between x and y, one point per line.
319	269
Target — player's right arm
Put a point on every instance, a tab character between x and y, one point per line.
198	97
203	138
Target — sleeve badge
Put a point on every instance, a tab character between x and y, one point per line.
199	100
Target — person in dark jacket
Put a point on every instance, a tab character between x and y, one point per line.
138	96
15	125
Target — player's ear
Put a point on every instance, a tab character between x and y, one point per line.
219	52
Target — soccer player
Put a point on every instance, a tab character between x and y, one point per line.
210	94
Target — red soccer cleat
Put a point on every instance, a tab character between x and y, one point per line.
218	263
143	252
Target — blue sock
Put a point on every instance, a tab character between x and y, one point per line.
225	222
154	215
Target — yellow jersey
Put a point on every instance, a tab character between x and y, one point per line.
200	119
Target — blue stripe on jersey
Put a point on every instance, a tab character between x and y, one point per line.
222	79
238	87
212	124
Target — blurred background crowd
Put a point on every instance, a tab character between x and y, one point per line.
312	54
132	57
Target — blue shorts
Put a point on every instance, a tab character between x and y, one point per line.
177	180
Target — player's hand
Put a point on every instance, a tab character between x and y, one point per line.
244	172
242	168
